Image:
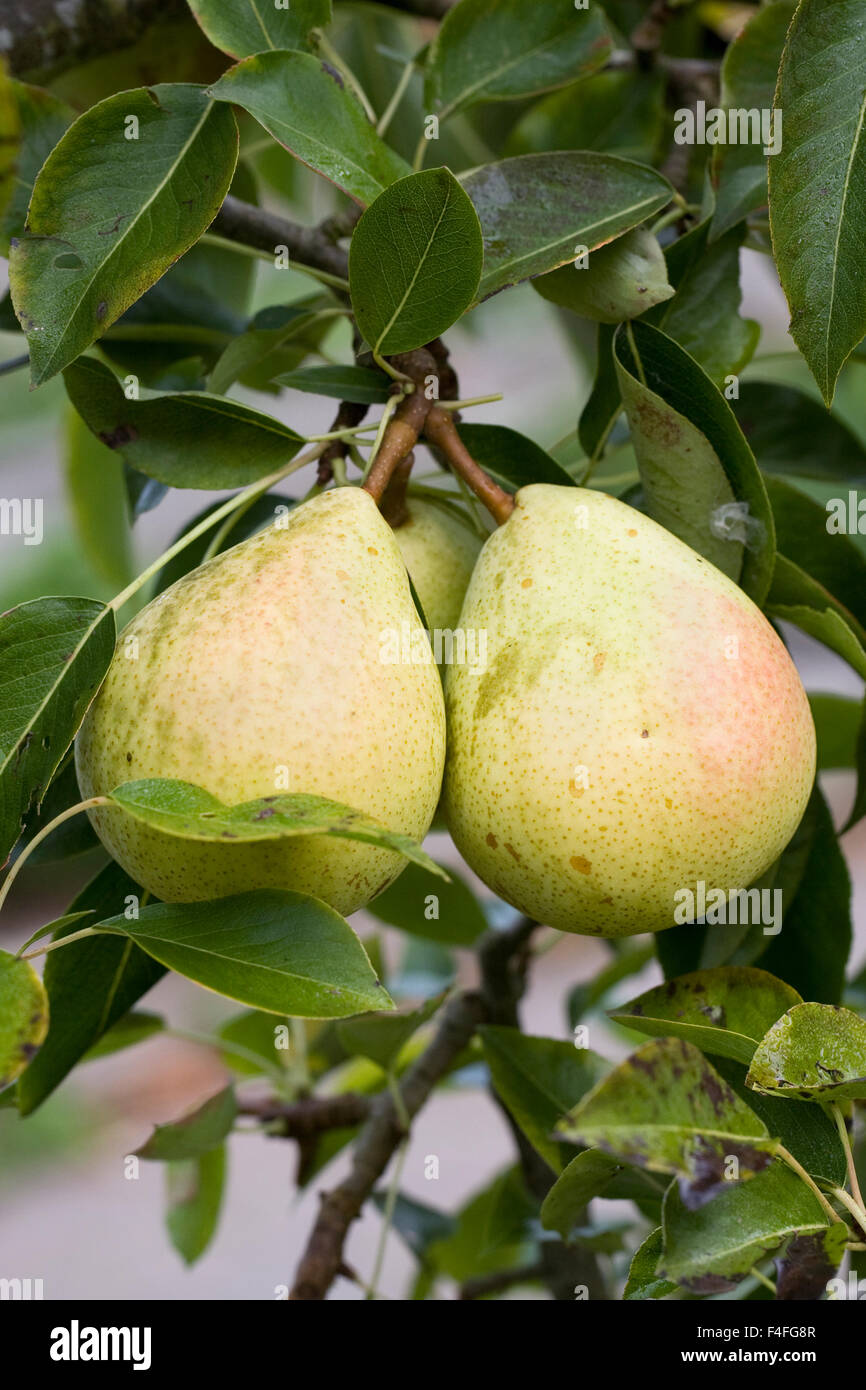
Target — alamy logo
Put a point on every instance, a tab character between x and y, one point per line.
21	1290
737	906
409	645
22	516
718	125
77	1343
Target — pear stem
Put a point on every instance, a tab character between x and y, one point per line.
849	1156
798	1168
441	430
240	499
62	941
43	835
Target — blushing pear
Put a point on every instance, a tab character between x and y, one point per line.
639	729
439	548
263	671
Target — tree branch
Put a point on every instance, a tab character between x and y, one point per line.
263	230
441	430
403	429
311	1116
44	36
376	1145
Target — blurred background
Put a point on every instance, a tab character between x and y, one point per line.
68	1213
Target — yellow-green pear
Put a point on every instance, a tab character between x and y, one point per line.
269	669
639	729
439	548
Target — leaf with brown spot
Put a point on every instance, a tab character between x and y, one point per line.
809	1262
665	1108
726	1010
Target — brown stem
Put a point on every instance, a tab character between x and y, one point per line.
407	422
312	1116
441	430
393	505
377	1143
348	415
263	230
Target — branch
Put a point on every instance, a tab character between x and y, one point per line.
441	430
376	1145
263	230
497	1283
403	429
42	37
309	1117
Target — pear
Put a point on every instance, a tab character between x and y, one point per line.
266	670
439	549
639	727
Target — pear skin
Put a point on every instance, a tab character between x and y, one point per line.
639	729
439	550
263	671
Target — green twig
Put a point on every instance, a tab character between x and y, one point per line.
43	835
849	1156
798	1168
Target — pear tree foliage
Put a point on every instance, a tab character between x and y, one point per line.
331	213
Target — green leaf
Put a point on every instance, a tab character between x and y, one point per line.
305	105
195	1192
498	50
814	1052
806	1131
493	1230
837	725
812	948
539	1080
91	985
830	558
725	1011
191	813
749	70
10	137
613	112
54	653
704	314
665	1108
72	837
203	1129
23	1016
97	495
540	211
110	214
251	26
643	1282
259	1034
382	1037
419	1225
273	950
619	281
791	433
802	600
184	438
414	261
699	478
43	118
511	458
134	1027
586	1177
356	384
445	912
266	338
818	184
604	405
711	1250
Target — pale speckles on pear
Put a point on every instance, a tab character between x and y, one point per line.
267	658
699	752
